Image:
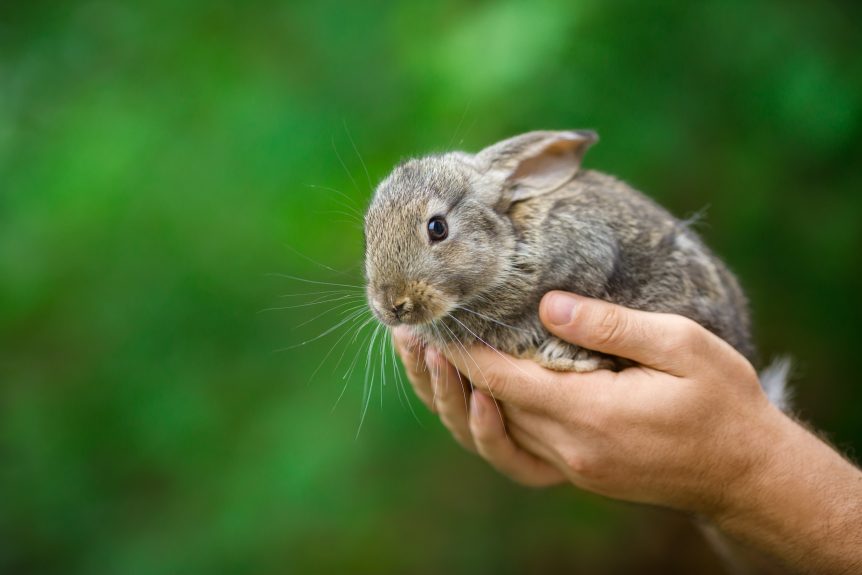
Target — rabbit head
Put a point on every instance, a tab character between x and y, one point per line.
437	232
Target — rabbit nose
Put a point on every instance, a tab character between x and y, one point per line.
400	307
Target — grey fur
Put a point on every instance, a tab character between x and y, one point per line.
524	220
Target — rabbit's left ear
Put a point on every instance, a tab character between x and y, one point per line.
534	163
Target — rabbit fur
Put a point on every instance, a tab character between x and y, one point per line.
523	219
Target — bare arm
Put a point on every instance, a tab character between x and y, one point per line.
691	429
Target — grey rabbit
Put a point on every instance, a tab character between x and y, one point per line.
463	246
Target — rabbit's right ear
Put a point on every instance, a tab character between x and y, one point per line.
530	165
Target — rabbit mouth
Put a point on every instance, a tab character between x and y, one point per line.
418	306
405	314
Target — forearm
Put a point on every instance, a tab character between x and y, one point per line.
803	503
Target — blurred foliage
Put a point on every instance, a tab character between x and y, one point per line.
158	159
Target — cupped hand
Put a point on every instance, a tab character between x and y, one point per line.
470	415
678	431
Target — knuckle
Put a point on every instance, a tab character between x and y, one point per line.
497	382
577	463
611	326
585	466
690	332
682	335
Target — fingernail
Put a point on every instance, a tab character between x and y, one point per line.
560	309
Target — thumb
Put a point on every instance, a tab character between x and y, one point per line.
663	341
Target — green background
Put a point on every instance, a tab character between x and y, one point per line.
159	159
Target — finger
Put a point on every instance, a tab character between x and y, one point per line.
451	397
498	449
517	381
667	342
530	438
412	355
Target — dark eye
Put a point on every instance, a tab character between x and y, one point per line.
438	229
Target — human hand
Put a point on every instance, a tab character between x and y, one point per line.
689	429
679	431
470	415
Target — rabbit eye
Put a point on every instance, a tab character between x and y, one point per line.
438	229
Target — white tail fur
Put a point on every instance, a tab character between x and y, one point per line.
773	379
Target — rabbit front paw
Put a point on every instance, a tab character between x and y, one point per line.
559	355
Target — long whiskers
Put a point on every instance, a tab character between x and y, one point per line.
498	352
319	293
464	353
369	380
463	390
324	333
358	155
316	282
399	383
341	337
350	305
486	318
317	301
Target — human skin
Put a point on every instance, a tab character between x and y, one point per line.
690	429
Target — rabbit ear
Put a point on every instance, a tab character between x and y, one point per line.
534	163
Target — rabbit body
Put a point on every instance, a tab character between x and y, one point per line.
522	219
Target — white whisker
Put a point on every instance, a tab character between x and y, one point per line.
339	307
382	366
399	382
361	161
343	165
307	304
355	318
317	337
513	364
321	293
463	390
309	259
369	382
299	279
485	317
334	191
353	219
352	340
349	373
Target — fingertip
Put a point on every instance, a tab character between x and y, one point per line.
557	308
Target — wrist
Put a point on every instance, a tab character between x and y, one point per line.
768	439
799	501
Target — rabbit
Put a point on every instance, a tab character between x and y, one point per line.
461	247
